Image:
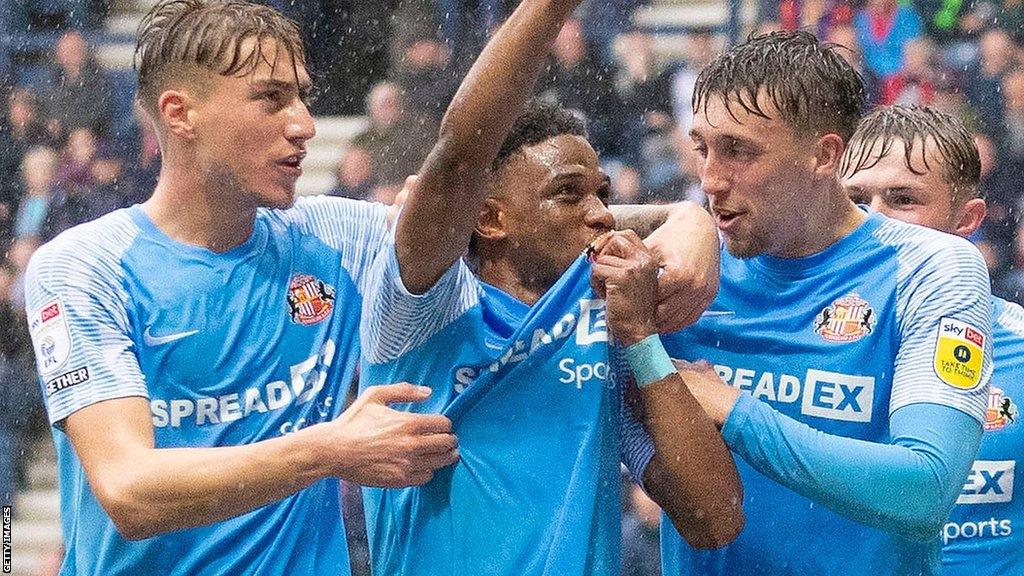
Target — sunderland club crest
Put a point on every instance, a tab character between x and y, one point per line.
848	319
310	299
1001	410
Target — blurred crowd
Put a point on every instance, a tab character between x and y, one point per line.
71	149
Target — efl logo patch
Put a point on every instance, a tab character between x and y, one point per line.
990	481
1001	410
848	319
50	336
67	380
959	352
310	299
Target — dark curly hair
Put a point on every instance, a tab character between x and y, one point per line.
540	119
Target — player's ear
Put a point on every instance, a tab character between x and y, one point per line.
175	111
828	151
491	223
972	217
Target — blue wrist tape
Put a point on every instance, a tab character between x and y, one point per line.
649	361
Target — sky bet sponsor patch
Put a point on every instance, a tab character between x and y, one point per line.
67	380
959	352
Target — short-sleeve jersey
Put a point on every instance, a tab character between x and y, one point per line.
888	316
229	349
528	391
983	532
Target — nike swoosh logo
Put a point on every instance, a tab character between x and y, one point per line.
158	340
711	313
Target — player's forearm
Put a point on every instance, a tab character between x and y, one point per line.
499	82
641	218
669	222
442	213
150	491
906	487
692	475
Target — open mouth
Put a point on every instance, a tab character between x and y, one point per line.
595	244
293	162
726	218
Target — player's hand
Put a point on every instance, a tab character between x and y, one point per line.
715	396
378	446
687	249
626	276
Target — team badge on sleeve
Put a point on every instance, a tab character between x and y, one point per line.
959	352
310	299
50	335
1001	410
848	319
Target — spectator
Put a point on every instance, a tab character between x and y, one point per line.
1011	19
354	175
428	84
7	387
641	555
20	129
51	15
644	91
104	190
578	80
38	175
1013	114
626	187
883	29
75	168
701	47
604	21
915	83
80	94
984	82
19	394
818	16
690	165
141	152
846	36
1010	285
21	250
396	141
1000	186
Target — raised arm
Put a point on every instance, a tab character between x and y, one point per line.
691	474
439	216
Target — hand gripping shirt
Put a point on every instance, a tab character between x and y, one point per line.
983	534
890	317
536	412
229	348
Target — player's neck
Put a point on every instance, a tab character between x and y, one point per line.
188	210
836	218
502	275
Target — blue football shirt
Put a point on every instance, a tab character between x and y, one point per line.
980	535
891	315
536	411
229	348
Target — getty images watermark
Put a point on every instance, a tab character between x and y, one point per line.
7	540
